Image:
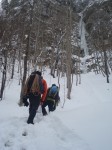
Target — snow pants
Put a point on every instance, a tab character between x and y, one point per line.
51	106
34	104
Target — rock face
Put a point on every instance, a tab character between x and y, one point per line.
90	10
97	17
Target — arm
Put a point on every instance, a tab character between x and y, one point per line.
57	99
45	90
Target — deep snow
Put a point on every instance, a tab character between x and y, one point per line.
83	124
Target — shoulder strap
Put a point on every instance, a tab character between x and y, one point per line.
56	92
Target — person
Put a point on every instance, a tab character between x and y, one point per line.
34	94
45	91
52	99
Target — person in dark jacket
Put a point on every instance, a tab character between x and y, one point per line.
51	100
34	97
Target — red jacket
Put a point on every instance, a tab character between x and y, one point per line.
45	90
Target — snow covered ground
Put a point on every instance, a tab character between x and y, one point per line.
85	122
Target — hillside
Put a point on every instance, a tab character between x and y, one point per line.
83	124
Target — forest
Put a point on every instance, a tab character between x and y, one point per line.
68	36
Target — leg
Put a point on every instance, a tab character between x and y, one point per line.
51	106
34	104
44	112
30	108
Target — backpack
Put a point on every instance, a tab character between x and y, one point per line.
53	91
34	85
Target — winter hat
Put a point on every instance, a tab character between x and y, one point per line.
37	72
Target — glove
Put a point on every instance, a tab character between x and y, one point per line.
26	104
25	101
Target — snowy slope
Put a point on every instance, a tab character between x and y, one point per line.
83	124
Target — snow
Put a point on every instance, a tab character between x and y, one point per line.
83	42
0	6
83	124
83	36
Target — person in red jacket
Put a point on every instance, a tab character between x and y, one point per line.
52	99
45	91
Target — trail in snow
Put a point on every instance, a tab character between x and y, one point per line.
84	123
47	133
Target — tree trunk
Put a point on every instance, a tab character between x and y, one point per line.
13	64
25	70
3	76
26	56
106	67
